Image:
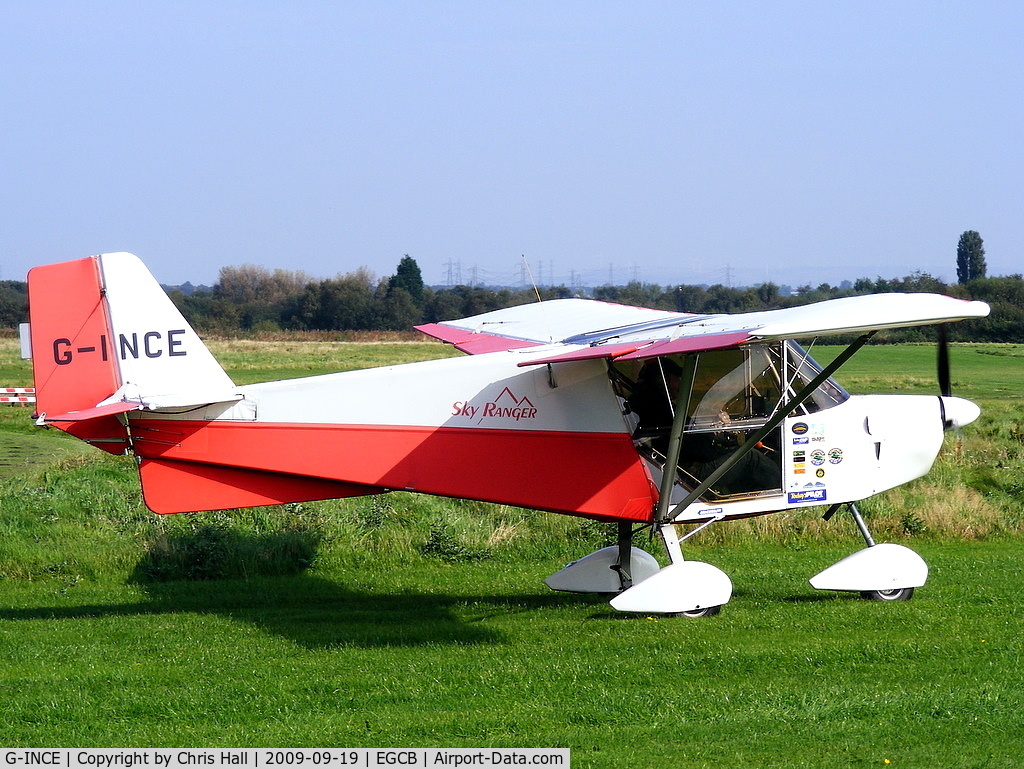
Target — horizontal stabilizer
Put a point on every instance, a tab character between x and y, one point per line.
110	409
120	403
130	394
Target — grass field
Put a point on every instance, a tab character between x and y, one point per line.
409	621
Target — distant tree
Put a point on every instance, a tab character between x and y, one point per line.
241	284
922	281
1006	321
441	305
408	277
260	297
206	313
398	310
768	294
13	302
727	299
345	303
970	257
474	299
638	294
556	292
690	299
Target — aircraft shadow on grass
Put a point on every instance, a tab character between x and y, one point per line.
285	601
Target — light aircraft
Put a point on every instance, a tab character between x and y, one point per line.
571	406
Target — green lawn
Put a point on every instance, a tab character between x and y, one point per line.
982	372
482	655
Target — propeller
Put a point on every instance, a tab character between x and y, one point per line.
955	412
945	386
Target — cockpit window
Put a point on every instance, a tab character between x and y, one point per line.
745	384
735	392
749	383
802	368
741	384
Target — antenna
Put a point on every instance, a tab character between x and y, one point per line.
526	264
543	311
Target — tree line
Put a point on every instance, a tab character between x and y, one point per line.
250	299
253	299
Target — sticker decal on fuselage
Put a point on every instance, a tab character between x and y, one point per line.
506	406
807	496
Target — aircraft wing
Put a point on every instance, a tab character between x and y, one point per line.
545	323
604	330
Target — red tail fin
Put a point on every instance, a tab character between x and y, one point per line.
73	362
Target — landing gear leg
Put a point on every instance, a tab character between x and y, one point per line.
670	538
624	565
852	507
857	517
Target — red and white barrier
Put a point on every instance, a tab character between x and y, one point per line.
17	395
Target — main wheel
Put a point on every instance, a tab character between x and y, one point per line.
707	611
896	594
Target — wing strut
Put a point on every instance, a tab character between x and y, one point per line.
663	514
675	437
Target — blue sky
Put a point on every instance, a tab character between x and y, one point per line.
682	142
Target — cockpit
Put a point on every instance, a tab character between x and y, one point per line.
727	396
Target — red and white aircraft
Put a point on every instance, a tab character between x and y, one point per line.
571	406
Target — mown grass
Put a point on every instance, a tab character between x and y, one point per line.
403	620
250	361
479	655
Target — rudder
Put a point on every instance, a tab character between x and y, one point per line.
72	363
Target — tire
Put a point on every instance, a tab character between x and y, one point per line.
707	611
890	596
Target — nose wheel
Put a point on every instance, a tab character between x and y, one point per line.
880	572
896	594
707	611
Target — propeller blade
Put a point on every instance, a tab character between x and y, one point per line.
945	387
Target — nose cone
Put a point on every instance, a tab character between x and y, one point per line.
957	412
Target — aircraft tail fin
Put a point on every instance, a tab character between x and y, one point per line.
107	339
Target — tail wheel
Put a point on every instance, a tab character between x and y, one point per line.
896	594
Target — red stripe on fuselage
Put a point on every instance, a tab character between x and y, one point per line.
182	487
592	474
